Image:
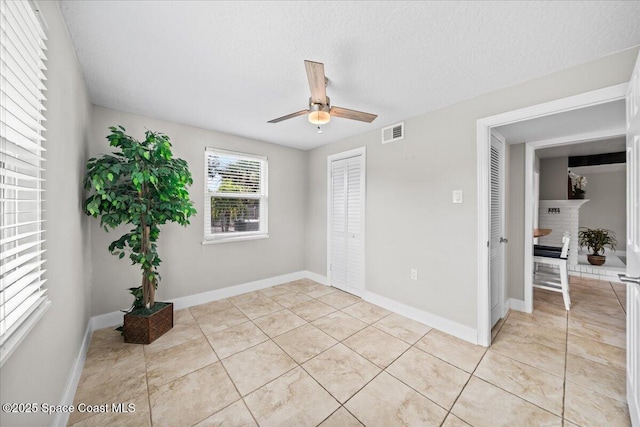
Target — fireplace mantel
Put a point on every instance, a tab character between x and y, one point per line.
573	203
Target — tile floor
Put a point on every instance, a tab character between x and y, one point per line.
302	354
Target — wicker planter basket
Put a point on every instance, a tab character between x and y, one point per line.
144	328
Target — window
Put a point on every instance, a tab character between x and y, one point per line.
236	202
22	295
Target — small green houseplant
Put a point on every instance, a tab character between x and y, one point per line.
144	186
596	239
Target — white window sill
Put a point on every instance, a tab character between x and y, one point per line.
215	241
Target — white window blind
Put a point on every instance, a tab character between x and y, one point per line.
22	295
236	202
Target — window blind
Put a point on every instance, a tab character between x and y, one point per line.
22	83
236	203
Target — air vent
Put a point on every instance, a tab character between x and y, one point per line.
393	133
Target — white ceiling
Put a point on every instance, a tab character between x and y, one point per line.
232	66
610	145
608	116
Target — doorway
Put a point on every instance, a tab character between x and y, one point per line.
345	220
485	126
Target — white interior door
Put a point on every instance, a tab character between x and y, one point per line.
633	246
346	222
496	233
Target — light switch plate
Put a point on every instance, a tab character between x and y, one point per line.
457	196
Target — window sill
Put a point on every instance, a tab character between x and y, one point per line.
234	239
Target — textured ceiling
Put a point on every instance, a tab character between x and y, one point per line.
232	66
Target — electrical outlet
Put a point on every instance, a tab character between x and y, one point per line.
414	274
457	196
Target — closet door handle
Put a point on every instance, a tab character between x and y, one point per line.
503	240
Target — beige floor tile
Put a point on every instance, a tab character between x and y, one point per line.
595	376
179	334
537	333
376	346
274	291
604	320
437	380
215	322
312	310
339	325
107	338
138	415
278	323
400	327
453	421
482	404
619	288
551	309
318	292
112	356
175	362
598	352
112	385
339	299
541	318
256	366
199	394
304	342
234	415
247	297
541	295
601	308
588	408
259	308
236	339
529	352
459	353
210	307
294	399
366	312
497	327
341	418
579	298
341	371
386	401
182	316
291	298
607	335
527	382
592	290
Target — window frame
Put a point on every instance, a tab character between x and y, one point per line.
262	196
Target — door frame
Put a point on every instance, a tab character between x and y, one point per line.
361	151
484	126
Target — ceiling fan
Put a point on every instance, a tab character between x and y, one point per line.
320	110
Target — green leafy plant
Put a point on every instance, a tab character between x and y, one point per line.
596	239
142	185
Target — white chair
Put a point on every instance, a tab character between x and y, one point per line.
549	280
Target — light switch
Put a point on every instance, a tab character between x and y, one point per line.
457	196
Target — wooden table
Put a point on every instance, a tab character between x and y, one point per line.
539	232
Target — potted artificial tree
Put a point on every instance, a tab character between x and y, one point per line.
596	239
144	186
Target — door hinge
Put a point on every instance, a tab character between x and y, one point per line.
487	243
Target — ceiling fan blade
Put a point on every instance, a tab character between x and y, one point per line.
317	83
289	116
345	113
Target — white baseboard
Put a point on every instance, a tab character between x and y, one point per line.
516	304
62	418
316	277
445	325
115	317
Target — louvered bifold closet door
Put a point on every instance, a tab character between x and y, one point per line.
496	259
354	223
22	296
339	224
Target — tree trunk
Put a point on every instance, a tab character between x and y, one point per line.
148	286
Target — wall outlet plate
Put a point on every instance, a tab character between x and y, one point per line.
457	196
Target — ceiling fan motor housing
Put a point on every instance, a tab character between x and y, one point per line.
318	106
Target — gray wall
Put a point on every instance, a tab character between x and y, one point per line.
607	205
553	178
189	267
38	370
515	221
410	220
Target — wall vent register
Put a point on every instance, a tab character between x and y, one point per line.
393	133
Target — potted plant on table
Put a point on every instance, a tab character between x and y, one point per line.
144	186
596	239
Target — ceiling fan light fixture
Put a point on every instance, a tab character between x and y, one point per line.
319	113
